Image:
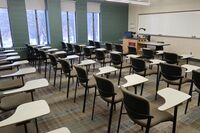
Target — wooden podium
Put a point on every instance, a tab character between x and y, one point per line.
132	42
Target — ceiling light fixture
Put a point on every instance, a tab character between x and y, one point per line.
136	2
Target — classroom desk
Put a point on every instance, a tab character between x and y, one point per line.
101	49
186	57
71	58
153	44
129	56
173	98
190	68
106	70
8	54
45	48
60	130
52	50
8	51
115	52
134	80
11	58
26	112
90	47
29	86
17	63
87	63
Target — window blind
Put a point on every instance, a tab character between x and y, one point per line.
3	3
35	4
68	5
93	7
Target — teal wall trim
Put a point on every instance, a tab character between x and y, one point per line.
81	21
55	25
18	22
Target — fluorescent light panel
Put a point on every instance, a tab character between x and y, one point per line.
136	2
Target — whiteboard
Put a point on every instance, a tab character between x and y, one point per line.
180	24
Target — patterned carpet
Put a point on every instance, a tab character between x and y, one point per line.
64	112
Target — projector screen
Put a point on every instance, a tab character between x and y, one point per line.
178	24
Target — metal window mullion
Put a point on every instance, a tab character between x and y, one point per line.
93	26
1	41
37	29
47	26
68	27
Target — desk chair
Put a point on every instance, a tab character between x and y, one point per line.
139	67
100	56
86	82
91	43
88	53
171	58
117	61
141	111
109	94
108	47
119	48
147	53
64	47
172	74
195	81
70	49
132	50
78	51
56	67
97	44
11	84
45	60
68	72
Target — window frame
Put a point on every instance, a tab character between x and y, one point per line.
68	25
93	19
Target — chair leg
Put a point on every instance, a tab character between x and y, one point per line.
68	87
45	70
36	125
199	100
49	72
60	80
135	89
54	82
94	104
84	101
186	107
120	72
157	86
75	90
142	86
110	118
120	115
25	128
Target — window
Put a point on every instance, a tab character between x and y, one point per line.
5	33
37	25
68	21
68	27
93	26
93	10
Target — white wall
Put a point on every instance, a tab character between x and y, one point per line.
178	45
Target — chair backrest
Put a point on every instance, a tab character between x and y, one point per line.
65	66
87	51
100	55
171	58
147	53
116	59
70	47
119	48
43	55
104	86
108	46
136	106
171	72
77	49
97	44
132	50
91	43
82	74
63	45
196	78
138	65
53	59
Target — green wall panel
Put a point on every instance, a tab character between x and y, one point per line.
55	27
114	21
18	22
81	21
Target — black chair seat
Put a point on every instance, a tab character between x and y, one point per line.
10	84
118	97
177	82
124	65
72	74
107	60
159	116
